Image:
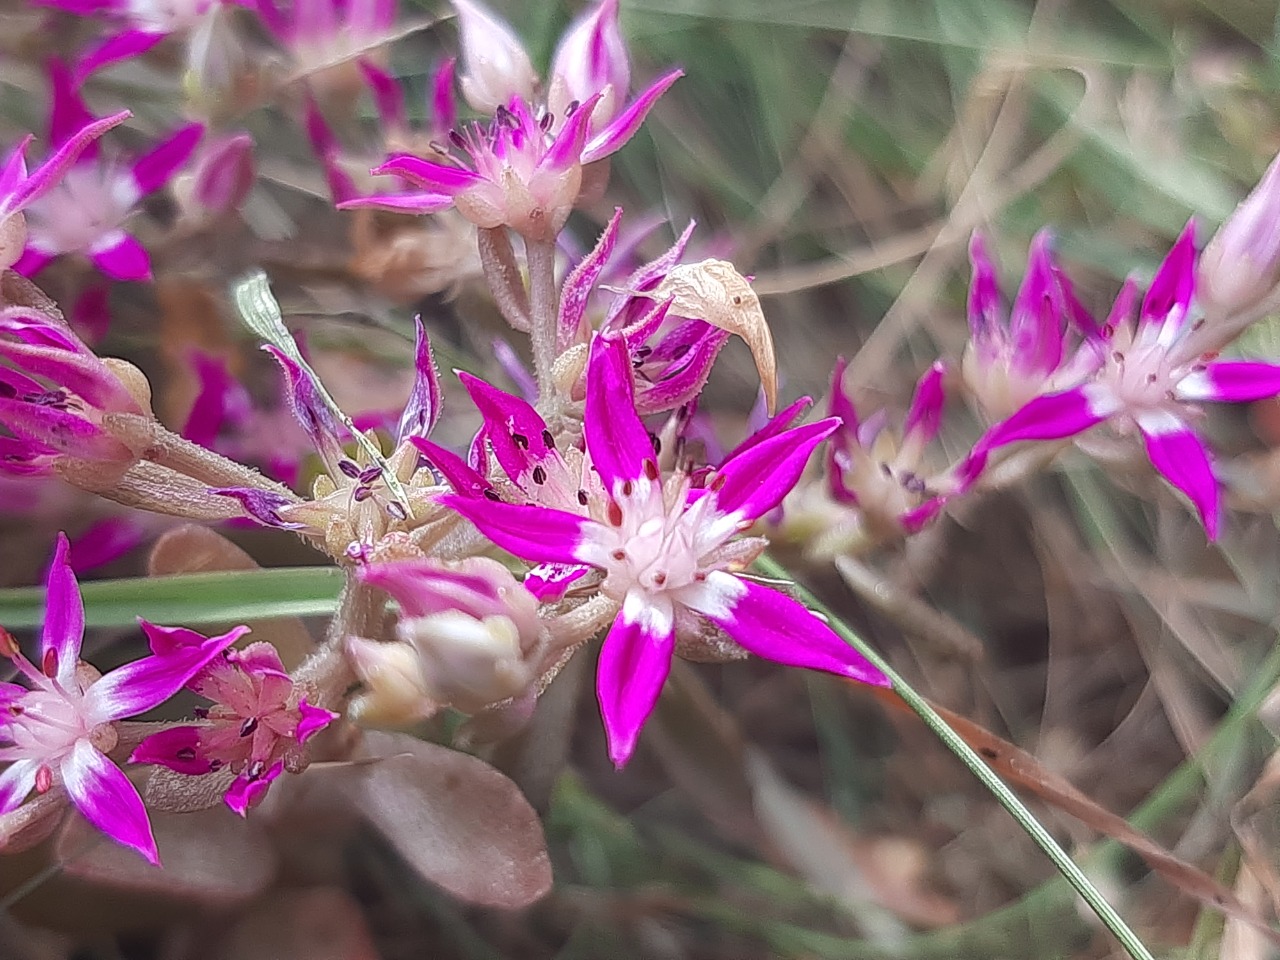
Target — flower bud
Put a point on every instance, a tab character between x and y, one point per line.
467	636
1241	265
591	59
495	66
223	174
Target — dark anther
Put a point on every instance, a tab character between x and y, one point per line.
397	510
547	120
457	140
247	728
571	109
886	469
539	475
548	439
582	497
651	468
627	488
520	440
657	443
737	300
492	494
186	753
615	514
619	554
369	474
362	494
349	468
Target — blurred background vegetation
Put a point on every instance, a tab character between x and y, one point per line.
843	151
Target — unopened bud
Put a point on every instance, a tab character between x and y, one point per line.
1240	267
495	67
591	59
224	174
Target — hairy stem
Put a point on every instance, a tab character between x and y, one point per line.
544	304
360	613
1006	797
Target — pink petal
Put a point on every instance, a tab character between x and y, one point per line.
388	96
754	481
985	332
424	202
623	127
1051	417
1168	298
105	797
1177	453
312	720
121	257
615	437
634	662
437	177
143	684
540	534
422	409
52	170
261	505
566	149
776	627
32	261
115	49
225	174
16	783
246	791
515	430
177	748
444	109
1035	322
67	112
582	280
456	472
425	586
63	630
925	414
153	170
1231	381
308	405
549	581
342	189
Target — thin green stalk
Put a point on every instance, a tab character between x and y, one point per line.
1006	797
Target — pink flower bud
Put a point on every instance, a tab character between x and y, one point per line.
224	173
495	66
591	59
1241	265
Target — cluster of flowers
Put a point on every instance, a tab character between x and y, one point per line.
594	479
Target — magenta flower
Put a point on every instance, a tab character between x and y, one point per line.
1149	374
19	189
319	34
138	26
54	395
61	729
883	474
668	553
517	170
85	213
257	727
1010	360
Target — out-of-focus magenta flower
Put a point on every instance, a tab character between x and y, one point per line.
591	59
85	213
1149	375
1011	359
668	553
1240	266
19	189
54	393
59	729
495	68
319	34
883	474
257	727
467	637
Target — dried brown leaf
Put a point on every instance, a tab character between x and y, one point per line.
716	292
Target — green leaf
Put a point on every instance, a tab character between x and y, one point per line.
189	599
